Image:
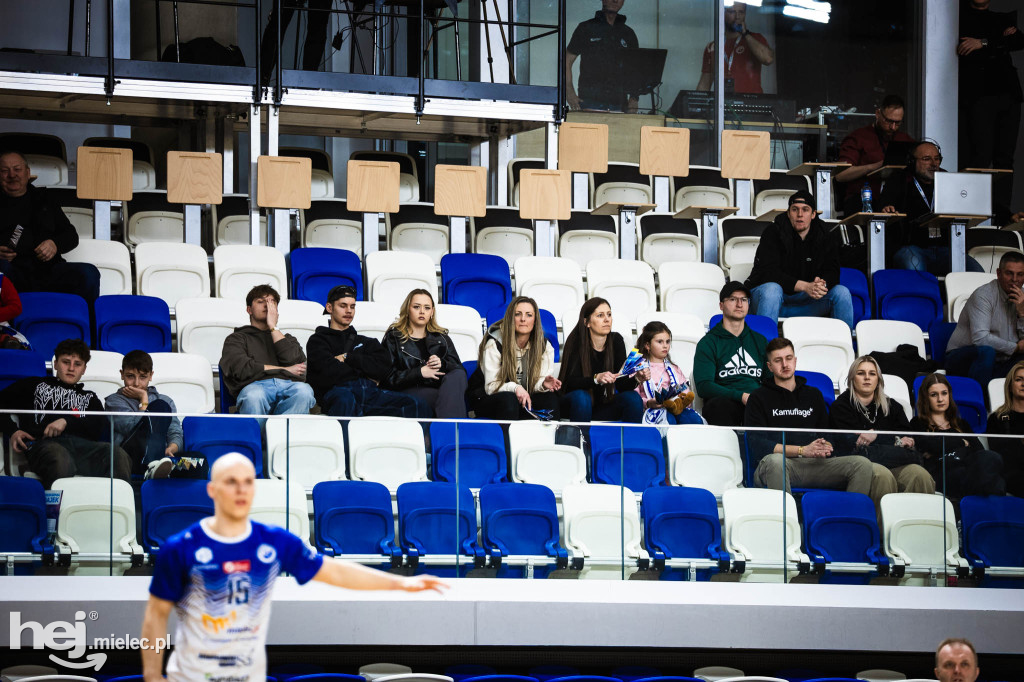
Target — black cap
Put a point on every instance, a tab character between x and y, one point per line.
801	197
340	291
731	288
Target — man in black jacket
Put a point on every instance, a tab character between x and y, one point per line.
56	445
796	267
34	232
800	459
345	368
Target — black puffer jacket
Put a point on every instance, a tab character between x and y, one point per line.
406	359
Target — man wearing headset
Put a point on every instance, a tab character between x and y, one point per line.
912	191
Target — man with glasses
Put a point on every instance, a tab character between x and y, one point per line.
729	360
865	149
913	192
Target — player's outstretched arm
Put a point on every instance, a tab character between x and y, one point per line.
154	628
357	577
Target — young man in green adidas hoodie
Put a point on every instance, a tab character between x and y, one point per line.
729	360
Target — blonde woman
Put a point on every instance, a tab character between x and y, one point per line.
424	362
1008	420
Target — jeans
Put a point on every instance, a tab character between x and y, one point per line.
933	259
276	396
148	441
628	407
771	301
66	456
362	397
979	363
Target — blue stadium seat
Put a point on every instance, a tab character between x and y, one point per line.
125	323
317	270
464	671
478	280
628	673
666	678
682	523
286	671
550	672
765	326
216	436
480	455
641	448
908	295
227	401
969	398
520	519
437	518
326	677
354	517
584	678
169	506
822	383
938	339
994	537
489	678
18	364
857	283
23	516
796	674
47	319
547	320
842	527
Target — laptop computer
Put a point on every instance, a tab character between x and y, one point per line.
967	194
644	66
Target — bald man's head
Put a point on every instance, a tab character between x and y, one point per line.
232	486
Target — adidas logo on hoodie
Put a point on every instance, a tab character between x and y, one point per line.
740	364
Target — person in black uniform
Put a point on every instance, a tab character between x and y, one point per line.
598	43
990	95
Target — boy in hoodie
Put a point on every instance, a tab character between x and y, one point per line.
346	367
729	360
263	367
800	459
56	445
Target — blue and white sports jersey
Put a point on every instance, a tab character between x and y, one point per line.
222	588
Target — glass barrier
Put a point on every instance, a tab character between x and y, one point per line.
531	499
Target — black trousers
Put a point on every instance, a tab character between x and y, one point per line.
724	412
66	456
503	406
989	126
316	35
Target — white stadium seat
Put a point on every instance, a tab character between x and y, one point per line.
386	450
110	258
391	275
555	283
204	323
188	379
238	268
172	271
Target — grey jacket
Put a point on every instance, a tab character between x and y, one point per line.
123	426
988	319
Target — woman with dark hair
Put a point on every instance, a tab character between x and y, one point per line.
424	362
862	410
514	374
591	358
957	462
1008	420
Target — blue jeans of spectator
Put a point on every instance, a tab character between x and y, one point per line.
363	398
933	259
771	301
149	437
979	363
626	406
276	396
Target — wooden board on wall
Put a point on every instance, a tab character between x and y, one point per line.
373	186
195	178
460	190
283	181
104	174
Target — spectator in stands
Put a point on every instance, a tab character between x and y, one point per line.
515	354
10	308
34	232
155	444
865	149
958	459
912	191
796	267
654	345
424	362
956	661
745	54
729	360
60	446
797	458
591	359
864	409
598	42
345	368
262	366
989	336
1008	420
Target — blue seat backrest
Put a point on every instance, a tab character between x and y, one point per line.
317	270
478	280
857	283
969	399
169	506
938	339
480	456
821	382
436	518
840	526
218	435
22	515
519	518
353	517
993	530
908	295
681	523
18	364
629	456
125	323
764	326
48	318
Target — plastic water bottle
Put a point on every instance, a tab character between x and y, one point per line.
865	198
